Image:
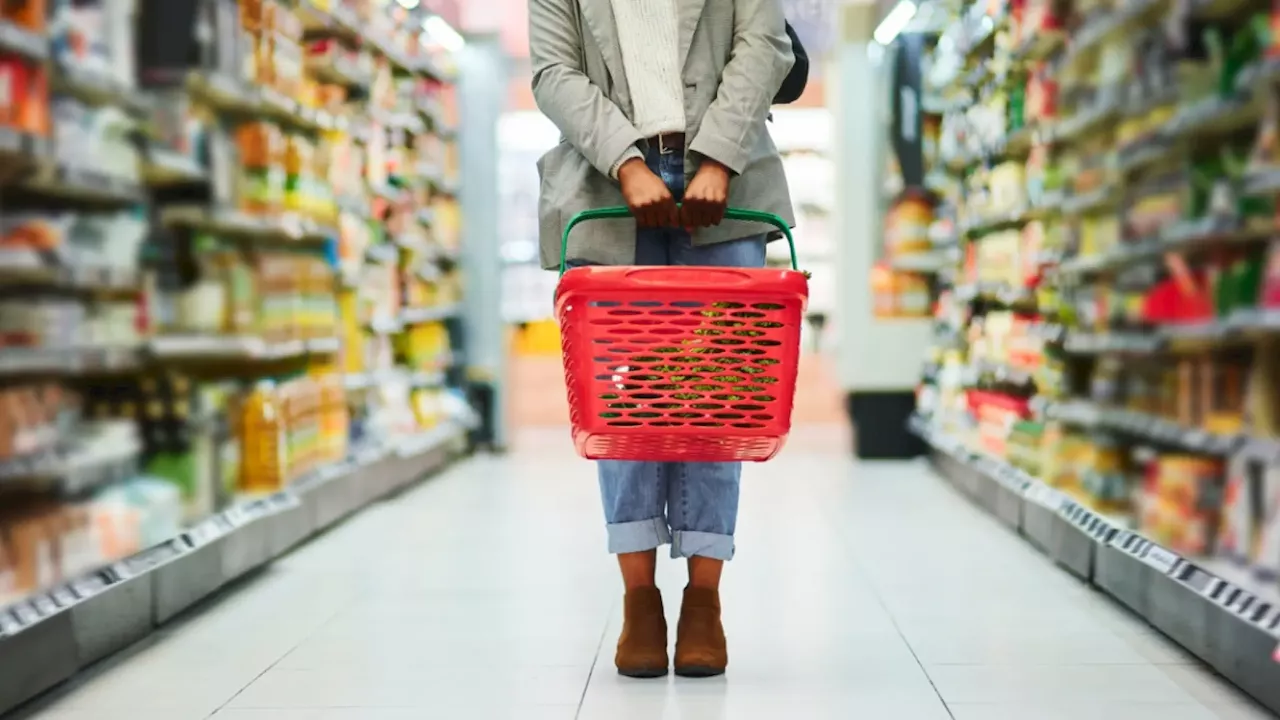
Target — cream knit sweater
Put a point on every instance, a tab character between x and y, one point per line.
649	36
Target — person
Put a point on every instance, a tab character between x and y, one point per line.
647	93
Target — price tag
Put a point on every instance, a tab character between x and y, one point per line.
65	596
1159	558
44	605
24	614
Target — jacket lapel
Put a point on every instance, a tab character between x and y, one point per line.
598	17
690	12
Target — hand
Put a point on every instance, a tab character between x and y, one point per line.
706	196
647	196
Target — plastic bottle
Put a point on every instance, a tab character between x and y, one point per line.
262	458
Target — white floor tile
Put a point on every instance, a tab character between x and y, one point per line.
869	591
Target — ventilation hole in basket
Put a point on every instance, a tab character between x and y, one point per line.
646	358
631	386
705	388
764	398
727	323
747	407
623	350
624	331
705	423
767	380
730	360
606	321
610	414
604	377
605	359
665	387
729	416
667	331
708	331
728	378
707	406
667	406
728	305
752	370
666	350
687	396
748	333
707	351
646	396
687	303
728	397
704	368
762	416
648	322
622	406
666	423
647	414
749	351
645	378
667	313
684	322
748	388
666	368
604	341
767	306
686	415
710	313
729	341
625	313
766	343
609	396
768	361
747	314
646	303
768	324
686	378
625	423
604	303
744	425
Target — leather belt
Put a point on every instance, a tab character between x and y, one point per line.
667	143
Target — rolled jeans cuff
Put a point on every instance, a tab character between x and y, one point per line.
638	535
688	543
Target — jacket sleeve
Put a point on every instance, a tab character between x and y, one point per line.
759	61
591	122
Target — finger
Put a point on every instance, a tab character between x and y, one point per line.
715	214
671	214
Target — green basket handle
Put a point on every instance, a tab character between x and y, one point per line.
614	213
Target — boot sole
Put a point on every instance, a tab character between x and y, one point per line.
643	673
699	671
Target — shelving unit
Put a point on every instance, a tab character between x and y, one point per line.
1101	375
229	300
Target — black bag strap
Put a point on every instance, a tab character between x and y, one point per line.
796	80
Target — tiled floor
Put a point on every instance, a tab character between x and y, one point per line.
859	591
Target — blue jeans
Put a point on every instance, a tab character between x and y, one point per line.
693	506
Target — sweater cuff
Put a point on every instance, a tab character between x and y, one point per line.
632	153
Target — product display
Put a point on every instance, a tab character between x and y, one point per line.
1104	344
229	290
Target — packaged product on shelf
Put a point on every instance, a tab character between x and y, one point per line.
25	104
1182	502
263	454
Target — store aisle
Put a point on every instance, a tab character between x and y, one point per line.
860	591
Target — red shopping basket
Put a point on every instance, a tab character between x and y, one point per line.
680	363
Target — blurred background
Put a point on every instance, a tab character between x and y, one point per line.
265	262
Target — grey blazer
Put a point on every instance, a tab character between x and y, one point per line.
735	54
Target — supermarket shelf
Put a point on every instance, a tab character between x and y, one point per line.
49	637
1144	426
1239	325
429	314
20	41
234	347
287	227
1222	617
69	360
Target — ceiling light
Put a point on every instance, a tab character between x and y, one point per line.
442	33
895	22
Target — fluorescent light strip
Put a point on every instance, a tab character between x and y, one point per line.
895	22
442	33
409	4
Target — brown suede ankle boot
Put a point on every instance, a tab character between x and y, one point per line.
701	650
642	649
